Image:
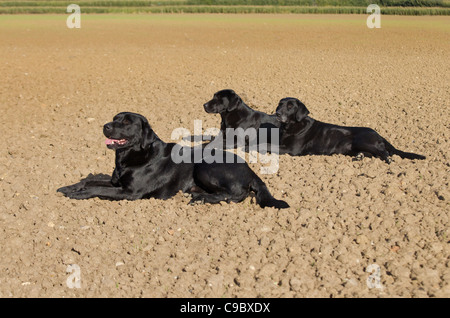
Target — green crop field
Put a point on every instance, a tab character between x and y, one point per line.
395	7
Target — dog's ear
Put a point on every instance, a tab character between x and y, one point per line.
233	101
302	111
148	135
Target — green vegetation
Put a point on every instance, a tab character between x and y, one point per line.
399	7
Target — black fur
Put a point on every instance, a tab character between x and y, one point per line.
236	114
302	135
144	169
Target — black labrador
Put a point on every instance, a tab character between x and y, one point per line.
302	135
235	115
144	168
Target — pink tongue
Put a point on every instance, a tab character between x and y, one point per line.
109	141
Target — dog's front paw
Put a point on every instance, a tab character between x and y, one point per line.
68	189
197	198
79	195
358	157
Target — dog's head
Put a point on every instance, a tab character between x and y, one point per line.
291	109
128	130
223	101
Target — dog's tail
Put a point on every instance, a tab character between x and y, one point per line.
263	196
406	155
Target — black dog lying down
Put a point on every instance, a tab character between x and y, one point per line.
236	114
302	135
145	169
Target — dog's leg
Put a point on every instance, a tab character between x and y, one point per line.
212	198
359	156
373	144
217	197
102	192
90	181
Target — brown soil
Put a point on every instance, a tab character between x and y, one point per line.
58	86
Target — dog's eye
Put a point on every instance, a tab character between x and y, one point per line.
289	106
126	122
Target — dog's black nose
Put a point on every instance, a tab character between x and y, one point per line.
205	105
107	127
